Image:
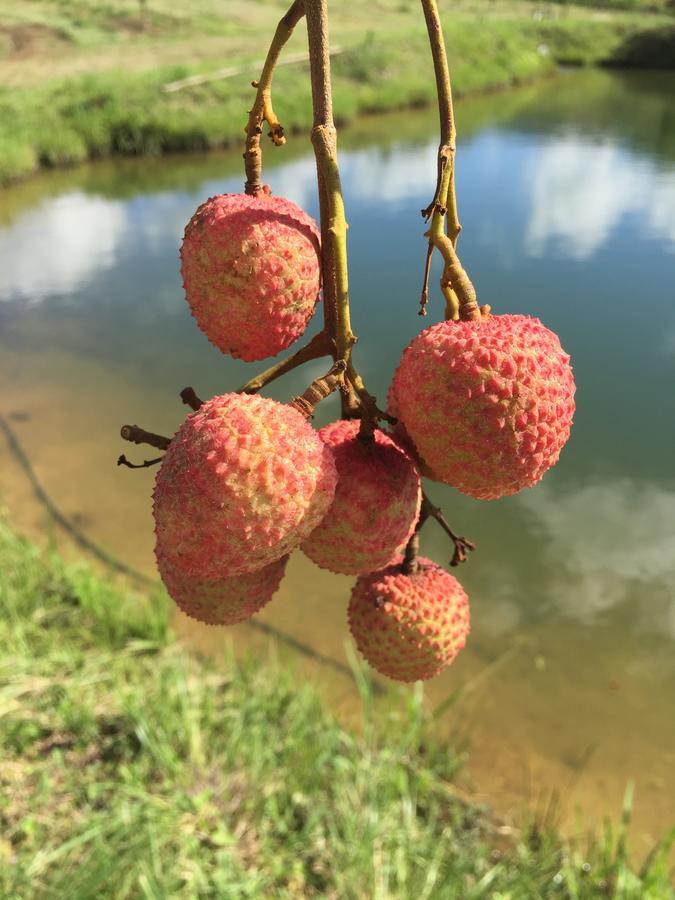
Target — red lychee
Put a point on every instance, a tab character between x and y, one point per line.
376	505
488	404
409	627
221	601
251	272
245	480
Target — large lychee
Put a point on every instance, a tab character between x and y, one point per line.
251	271
409	626
376	505
244	481
488	404
221	601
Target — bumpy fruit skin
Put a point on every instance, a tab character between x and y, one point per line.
251	272
221	601
409	627
487	404
376	505
245	480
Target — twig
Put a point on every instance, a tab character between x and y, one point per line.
463	546
333	222
233	71
320	389
136	435
410	565
318	346
123	461
262	110
460	295
189	398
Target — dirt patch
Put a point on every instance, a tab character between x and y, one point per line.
25	41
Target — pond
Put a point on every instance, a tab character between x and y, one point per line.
567	197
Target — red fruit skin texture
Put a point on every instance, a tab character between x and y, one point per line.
244	481
409	627
487	404
377	502
251	272
221	601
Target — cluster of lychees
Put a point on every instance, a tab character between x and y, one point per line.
480	402
484	406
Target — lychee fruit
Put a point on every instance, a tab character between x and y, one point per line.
409	626
376	504
251	272
221	601
488	404
244	481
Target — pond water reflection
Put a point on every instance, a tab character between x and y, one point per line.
568	208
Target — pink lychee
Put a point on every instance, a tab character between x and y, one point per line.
409	627
221	601
376	505
251	272
488	404
244	481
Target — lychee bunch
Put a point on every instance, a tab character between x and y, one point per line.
244	481
376	504
251	272
221	601
409	626
488	404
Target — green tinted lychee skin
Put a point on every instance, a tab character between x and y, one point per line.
376	504
251	272
488	404
409	627
244	481
221	601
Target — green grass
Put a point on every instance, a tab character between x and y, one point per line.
96	89
132	769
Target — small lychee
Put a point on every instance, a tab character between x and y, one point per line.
488	404
221	601
251	272
244	481
409	626
376	505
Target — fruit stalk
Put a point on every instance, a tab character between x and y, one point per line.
333	222
317	347
459	292
262	110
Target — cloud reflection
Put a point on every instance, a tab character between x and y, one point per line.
581	191
54	248
607	544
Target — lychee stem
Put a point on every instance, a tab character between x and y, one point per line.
459	292
463	546
319	346
262	110
146	464
189	398
137	435
320	389
333	222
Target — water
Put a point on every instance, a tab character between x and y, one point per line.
567	196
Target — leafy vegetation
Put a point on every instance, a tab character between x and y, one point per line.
133	769
83	80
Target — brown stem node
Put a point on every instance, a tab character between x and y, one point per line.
136	435
189	398
320	389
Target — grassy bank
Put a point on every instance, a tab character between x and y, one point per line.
85	80
132	769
